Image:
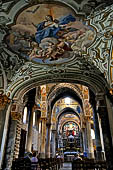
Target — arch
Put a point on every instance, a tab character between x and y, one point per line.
69	121
72	86
98	85
78	71
62	93
69	111
63	90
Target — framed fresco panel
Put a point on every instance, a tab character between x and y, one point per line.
49	34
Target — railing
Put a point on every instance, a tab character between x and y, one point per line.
88	165
43	164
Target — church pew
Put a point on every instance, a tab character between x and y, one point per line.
88	165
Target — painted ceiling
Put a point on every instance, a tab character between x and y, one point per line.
42	37
49	33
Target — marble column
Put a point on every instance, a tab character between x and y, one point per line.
99	154
97	128
48	125
43	138
109	102
103	114
29	134
89	140
12	136
37	128
39	138
5	108
101	138
84	140
53	143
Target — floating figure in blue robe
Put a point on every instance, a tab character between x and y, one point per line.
51	28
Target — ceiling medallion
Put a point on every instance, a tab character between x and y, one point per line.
49	34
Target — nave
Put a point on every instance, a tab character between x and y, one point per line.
56	84
58	122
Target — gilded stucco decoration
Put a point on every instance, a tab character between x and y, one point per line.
53	37
4	100
55	88
101	51
25	57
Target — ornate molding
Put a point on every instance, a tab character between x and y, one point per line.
4	100
10	62
100	50
94	62
16	116
17	110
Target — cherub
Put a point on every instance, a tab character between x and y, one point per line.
36	52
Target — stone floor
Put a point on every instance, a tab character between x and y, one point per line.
67	166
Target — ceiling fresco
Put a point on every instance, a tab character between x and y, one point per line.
36	49
49	34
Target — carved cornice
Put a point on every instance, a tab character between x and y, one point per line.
4	100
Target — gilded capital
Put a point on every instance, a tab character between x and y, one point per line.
16	116
4	100
43	118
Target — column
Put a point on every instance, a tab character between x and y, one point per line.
43	138
29	134
99	154
89	140
103	114
101	138
48	140
11	147
53	143
84	134
37	128
5	107
97	128
109	102
39	138
84	140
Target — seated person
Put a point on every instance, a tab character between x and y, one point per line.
77	157
34	161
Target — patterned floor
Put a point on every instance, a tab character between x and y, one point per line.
66	166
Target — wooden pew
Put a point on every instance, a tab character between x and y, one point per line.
43	164
88	165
